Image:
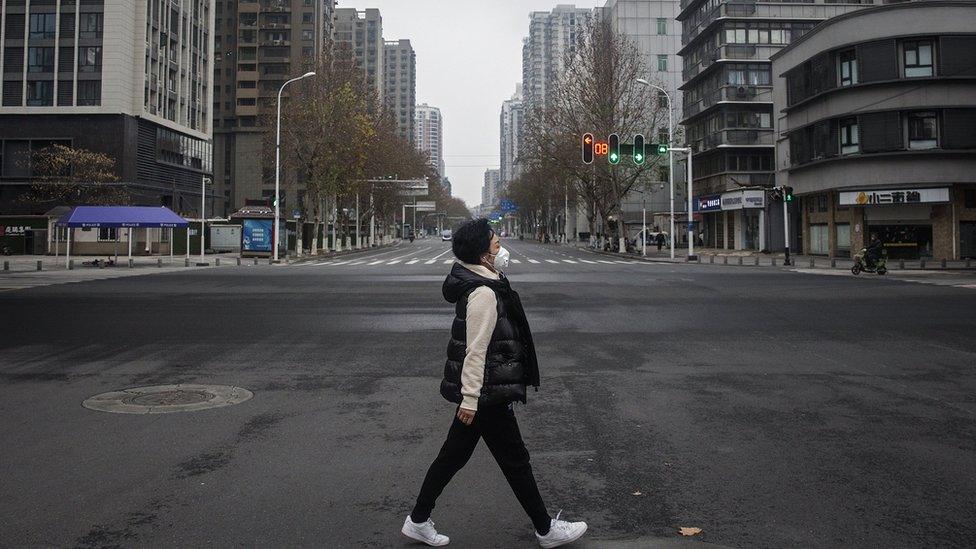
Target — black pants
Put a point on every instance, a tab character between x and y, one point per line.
501	433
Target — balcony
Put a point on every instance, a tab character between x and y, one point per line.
276	42
762	10
246	110
275	7
276	26
729	94
247	75
731	52
734	138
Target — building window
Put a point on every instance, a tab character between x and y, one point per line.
91	25
308	17
40	93
969	198
308	35
107	234
849	140
662	63
662	25
843	237
41	25
848	68
89	92
821	202
922	130
40	59
90	59
918	58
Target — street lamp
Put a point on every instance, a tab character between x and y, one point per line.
278	161
670	152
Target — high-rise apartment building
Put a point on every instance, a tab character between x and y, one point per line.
489	192
132	80
727	109
259	45
429	135
552	38
651	27
359	35
510	131
400	84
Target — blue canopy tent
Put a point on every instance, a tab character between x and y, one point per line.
127	217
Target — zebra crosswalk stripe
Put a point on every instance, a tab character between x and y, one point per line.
448	261
516	261
551	261
377	262
588	261
569	261
394	262
429	261
412	261
533	261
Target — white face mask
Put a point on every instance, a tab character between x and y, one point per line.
501	259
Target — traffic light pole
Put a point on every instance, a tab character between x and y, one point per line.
786	230
691	214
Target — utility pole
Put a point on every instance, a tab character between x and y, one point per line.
691	214
786	229
203	216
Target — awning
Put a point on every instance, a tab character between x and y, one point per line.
121	216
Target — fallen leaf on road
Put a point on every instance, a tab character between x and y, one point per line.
637	493
689	531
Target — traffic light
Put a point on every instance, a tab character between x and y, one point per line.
788	194
638	149
776	194
614	144
587	148
662	148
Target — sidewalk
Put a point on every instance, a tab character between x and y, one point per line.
34	263
749	258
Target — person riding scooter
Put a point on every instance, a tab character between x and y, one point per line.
873	251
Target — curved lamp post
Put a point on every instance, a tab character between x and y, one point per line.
670	154
278	161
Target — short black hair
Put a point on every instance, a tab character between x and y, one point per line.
471	240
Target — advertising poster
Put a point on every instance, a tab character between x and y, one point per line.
256	236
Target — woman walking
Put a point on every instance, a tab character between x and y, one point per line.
490	361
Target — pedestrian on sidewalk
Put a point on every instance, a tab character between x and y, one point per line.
490	361
660	241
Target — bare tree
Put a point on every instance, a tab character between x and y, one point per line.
67	176
598	93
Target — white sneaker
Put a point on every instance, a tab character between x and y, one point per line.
425	532
561	532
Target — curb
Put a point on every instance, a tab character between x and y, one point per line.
331	255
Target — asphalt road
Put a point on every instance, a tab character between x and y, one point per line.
769	408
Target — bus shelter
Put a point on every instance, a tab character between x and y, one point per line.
119	217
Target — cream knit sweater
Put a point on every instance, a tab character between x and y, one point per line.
482	313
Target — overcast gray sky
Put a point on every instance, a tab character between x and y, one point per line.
469	57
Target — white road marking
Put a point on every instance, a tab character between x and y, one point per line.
625	262
588	261
357	262
533	261
442	253
377	262
394	262
429	261
448	261
516	261
551	261
604	261
569	261
412	261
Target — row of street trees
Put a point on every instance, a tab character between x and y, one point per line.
339	145
597	93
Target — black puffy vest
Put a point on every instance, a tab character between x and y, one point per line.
510	362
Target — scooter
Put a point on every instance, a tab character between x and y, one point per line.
860	263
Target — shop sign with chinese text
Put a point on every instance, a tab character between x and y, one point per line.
894	196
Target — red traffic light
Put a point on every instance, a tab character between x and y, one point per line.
587	148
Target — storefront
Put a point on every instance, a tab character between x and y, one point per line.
903	219
711	226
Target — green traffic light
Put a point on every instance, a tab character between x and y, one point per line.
638	158
613	158
662	149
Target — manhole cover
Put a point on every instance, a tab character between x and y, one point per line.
162	399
